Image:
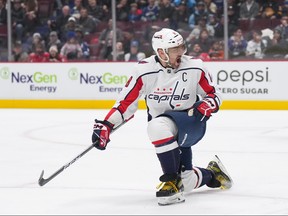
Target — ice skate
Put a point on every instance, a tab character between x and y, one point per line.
220	172
170	192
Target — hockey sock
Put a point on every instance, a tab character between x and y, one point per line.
170	161
186	158
204	174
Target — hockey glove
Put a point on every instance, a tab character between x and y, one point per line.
101	133
204	108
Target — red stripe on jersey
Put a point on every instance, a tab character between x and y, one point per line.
131	96
110	113
163	141
142	62
211	95
204	83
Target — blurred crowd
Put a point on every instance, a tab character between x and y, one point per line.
81	30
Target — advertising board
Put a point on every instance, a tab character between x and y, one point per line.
68	84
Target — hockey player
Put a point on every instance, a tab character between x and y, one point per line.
180	97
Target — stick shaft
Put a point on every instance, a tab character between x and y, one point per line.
43	181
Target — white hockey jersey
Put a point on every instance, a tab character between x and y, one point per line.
164	89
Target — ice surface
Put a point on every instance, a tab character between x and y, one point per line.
253	146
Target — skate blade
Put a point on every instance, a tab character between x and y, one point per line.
170	200
227	185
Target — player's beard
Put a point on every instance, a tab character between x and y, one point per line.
176	63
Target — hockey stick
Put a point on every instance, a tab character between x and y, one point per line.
43	181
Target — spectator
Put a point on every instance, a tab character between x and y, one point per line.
216	52
190	4
283	27
106	2
220	5
18	55
106	46
39	55
277	47
128	36
212	19
142	3
57	7
270	9
85	3
199	14
249	10
196	52
70	26
122	10
18	15
211	7
75	11
150	12
204	56
180	17
119	52
105	39
267	36
233	17
106	11
255	47
285	8
37	39
197	29
166	11
86	23
218	25
71	50
96	11
31	16
134	54
53	40
84	45
135	13
54	56
58	25
3	13
237	45
204	40
69	3
105	32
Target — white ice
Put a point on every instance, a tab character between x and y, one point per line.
253	146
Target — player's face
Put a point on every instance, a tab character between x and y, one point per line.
175	54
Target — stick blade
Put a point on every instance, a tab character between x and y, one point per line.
41	180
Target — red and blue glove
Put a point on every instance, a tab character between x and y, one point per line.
101	133
204	108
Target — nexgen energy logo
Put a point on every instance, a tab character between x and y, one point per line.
37	81
106	78
37	77
5	73
107	82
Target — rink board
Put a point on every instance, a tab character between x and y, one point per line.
106	104
244	85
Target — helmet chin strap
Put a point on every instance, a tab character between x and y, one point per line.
168	58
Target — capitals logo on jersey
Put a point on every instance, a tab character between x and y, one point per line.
169	95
